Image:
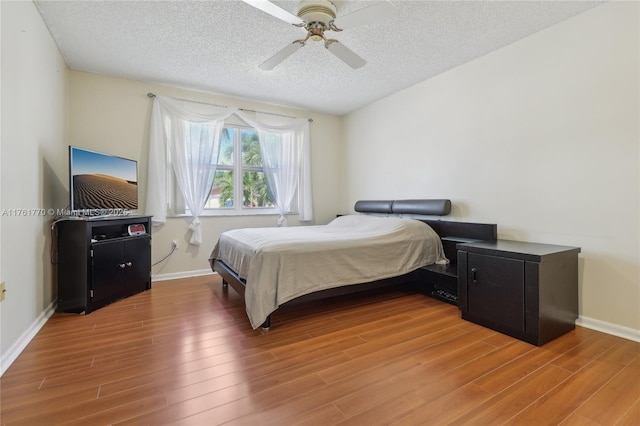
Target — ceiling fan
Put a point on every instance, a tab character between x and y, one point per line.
316	17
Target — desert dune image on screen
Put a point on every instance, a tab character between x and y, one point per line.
103	182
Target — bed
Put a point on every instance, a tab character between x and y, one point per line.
273	266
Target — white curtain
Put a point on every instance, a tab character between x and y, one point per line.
192	152
192	155
285	159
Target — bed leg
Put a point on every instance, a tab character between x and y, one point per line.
266	324
225	284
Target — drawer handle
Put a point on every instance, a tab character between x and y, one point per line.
122	265
129	264
473	274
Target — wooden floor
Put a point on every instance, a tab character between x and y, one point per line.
184	353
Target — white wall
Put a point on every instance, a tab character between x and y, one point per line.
34	168
111	115
540	137
2	363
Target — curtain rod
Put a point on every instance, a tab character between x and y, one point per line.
152	95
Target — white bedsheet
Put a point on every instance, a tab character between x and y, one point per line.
280	264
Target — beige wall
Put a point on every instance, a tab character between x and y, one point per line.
540	137
111	115
34	168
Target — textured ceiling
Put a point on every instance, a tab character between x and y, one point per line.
216	46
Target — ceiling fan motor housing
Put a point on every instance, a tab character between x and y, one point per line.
316	17
317	11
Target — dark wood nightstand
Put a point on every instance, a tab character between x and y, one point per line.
526	290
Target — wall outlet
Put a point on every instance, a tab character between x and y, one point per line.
174	244
3	291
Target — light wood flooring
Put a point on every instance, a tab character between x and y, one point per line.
184	353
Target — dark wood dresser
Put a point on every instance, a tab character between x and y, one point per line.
99	261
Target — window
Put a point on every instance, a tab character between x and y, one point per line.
219	163
239	184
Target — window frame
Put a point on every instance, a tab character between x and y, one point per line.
238	170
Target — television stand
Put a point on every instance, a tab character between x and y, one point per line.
99	262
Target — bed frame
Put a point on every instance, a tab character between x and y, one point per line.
440	278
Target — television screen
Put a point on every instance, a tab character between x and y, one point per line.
102	183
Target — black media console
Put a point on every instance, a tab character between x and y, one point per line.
99	262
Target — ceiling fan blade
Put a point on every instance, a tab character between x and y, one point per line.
273	10
345	54
366	15
273	61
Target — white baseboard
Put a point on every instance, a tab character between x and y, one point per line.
16	349
177	275
609	328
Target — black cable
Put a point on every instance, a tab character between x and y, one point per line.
170	253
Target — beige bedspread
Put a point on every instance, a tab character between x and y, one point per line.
280	264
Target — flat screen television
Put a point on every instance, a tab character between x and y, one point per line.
100	183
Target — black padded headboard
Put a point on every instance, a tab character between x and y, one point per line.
419	207
373	206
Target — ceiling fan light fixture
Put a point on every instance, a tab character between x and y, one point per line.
316	31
